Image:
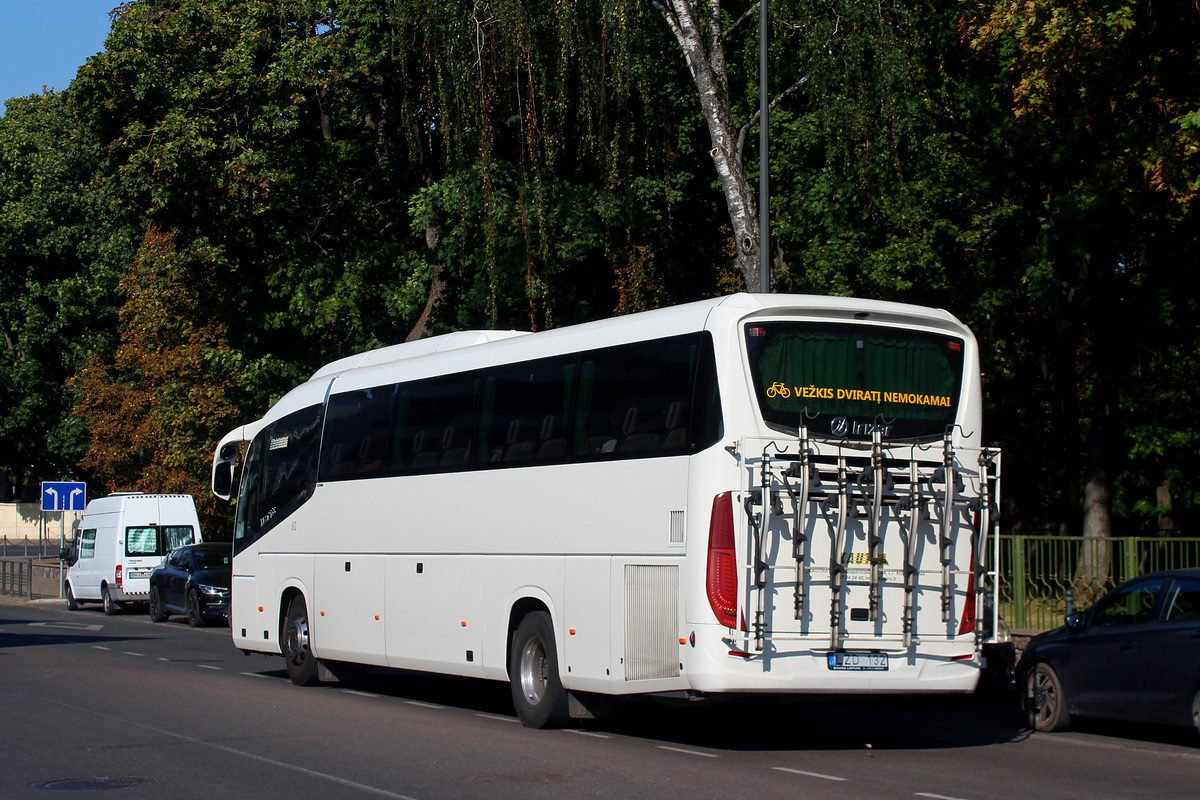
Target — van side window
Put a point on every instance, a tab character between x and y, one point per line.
87	543
141	541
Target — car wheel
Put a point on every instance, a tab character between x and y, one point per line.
537	690
1196	711
110	606
1047	703
72	603
194	614
297	646
157	614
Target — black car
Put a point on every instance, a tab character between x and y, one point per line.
1133	655
192	580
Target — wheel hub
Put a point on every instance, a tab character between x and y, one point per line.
297	640
533	671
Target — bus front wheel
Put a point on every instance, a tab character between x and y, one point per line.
297	652
537	690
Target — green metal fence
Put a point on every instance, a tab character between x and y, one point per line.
1037	572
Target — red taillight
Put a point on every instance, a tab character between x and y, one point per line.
118	575
722	562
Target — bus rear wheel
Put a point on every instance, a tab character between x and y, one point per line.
537	690
297	651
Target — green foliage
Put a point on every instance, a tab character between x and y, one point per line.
57	285
237	191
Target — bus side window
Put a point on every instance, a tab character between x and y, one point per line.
358	434
524	413
437	430
636	400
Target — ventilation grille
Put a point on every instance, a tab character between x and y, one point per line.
677	527
651	622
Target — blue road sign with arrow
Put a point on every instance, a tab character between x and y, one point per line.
63	495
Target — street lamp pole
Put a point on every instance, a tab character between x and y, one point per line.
764	160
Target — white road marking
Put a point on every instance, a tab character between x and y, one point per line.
72	626
687	752
808	774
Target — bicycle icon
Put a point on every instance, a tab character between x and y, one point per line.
777	389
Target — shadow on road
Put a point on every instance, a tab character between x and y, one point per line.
744	724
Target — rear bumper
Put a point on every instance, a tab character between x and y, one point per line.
931	667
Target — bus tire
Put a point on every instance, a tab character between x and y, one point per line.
157	614
297	650
1047	702
72	603
537	690
110	606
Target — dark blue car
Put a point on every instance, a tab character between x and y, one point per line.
193	580
1133	655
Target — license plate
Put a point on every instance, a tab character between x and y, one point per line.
139	573
858	661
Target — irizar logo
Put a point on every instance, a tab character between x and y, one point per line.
840	426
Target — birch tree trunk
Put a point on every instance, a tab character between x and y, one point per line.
696	25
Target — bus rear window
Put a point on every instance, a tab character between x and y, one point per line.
846	381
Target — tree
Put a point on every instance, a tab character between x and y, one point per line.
1106	91
57	290
171	389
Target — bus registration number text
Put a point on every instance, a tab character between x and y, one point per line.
858	661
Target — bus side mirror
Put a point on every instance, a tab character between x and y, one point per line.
222	482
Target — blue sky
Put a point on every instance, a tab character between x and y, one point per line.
45	42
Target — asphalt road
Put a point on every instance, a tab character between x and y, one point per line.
89	702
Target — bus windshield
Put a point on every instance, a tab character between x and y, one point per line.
847	381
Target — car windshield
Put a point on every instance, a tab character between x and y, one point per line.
210	559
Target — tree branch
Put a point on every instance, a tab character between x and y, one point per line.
747	14
750	123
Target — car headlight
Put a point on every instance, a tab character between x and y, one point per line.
212	591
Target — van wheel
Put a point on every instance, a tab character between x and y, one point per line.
537	690
157	614
72	603
297	650
195	617
110	606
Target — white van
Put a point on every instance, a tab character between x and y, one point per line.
119	542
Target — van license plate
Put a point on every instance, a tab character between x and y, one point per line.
139	573
858	661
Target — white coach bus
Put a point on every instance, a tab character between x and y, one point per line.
752	494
